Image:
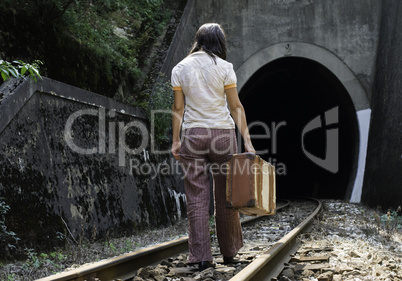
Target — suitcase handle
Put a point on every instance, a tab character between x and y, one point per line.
249	155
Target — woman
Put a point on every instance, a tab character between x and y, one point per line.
204	83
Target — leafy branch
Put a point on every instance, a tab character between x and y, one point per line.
19	69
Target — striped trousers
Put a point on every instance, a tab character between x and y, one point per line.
202	152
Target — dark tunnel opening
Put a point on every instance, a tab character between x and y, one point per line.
280	99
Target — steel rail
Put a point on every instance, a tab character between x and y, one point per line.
121	267
269	264
124	266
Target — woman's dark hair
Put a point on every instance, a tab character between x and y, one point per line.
210	38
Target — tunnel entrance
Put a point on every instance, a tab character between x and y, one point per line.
280	100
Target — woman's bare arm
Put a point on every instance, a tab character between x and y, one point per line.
239	116
177	117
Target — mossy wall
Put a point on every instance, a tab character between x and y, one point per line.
92	185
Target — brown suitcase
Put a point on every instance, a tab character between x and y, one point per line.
250	185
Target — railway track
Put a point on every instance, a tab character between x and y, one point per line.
268	242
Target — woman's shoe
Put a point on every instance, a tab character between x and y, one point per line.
228	260
204	265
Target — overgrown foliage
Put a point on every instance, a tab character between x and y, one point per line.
121	30
96	45
158	109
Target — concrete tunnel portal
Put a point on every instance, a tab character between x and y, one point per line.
280	99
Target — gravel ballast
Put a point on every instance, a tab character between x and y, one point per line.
360	243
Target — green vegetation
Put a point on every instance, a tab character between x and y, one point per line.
99	45
40	264
120	31
36	260
110	47
18	69
125	245
158	109
389	222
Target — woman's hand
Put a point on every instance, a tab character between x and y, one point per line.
249	147
175	150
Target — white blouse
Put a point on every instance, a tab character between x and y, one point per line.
204	83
